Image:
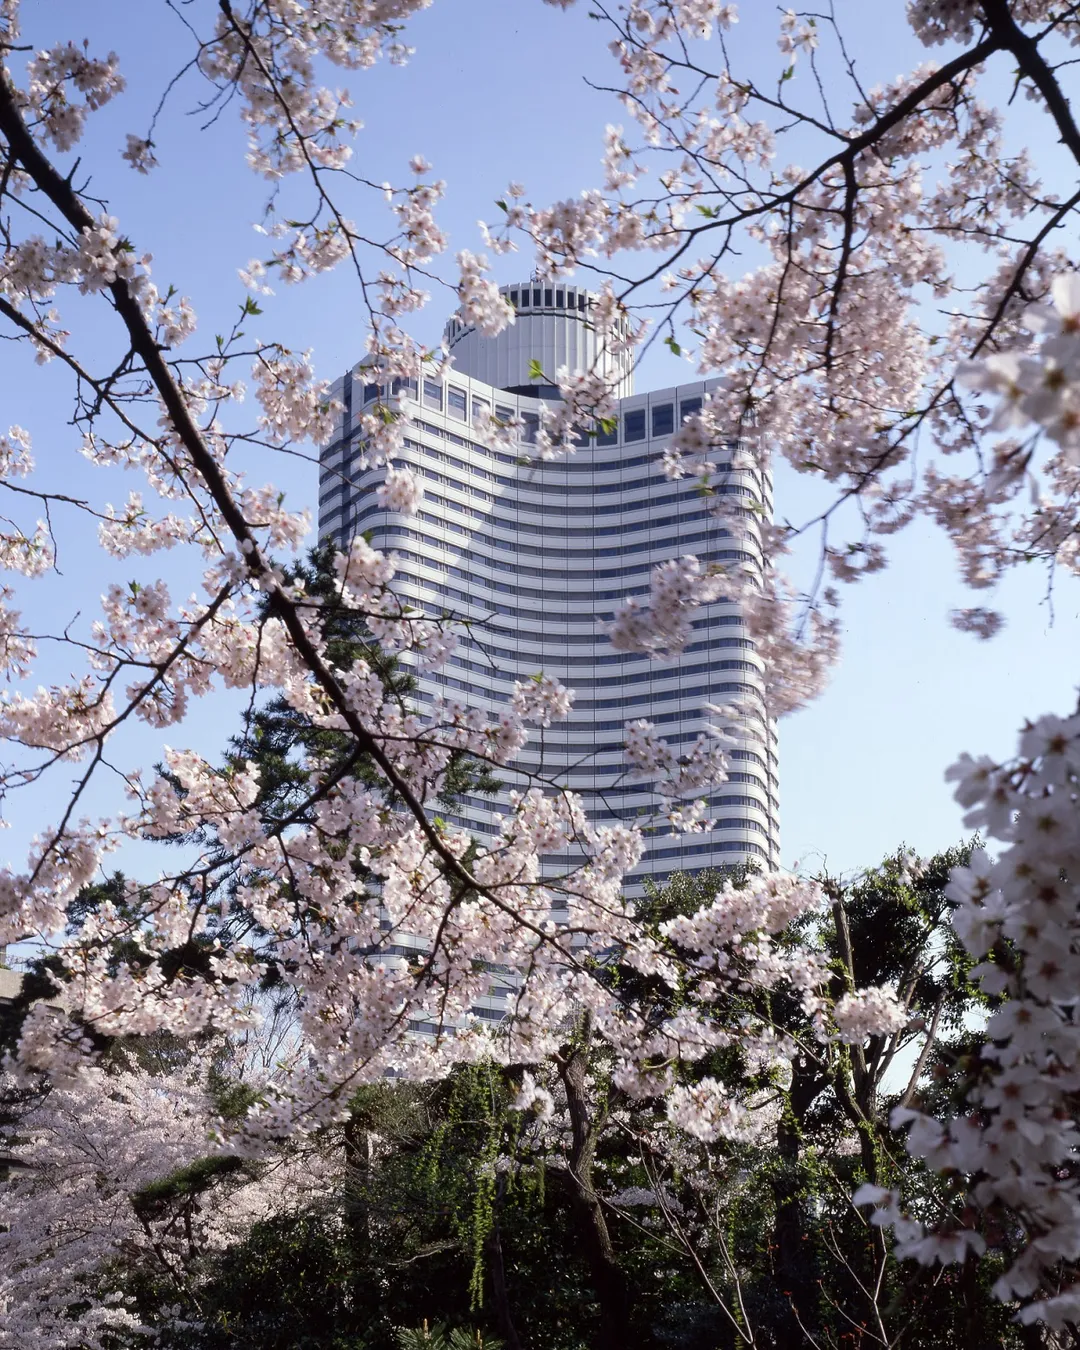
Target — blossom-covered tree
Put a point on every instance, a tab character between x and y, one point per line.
824	353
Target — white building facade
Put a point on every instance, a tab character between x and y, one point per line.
540	555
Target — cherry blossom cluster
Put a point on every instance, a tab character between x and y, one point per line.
875	1011
662	625
706	1110
820	347
543	699
85	1203
53	77
1012	1146
481	303
650	756
270	52
296	405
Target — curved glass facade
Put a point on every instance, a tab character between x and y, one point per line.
539	556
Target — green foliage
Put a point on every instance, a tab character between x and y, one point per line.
439	1338
185	1184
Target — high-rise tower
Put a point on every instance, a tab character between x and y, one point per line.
542	554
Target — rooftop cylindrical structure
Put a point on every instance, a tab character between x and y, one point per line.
554	329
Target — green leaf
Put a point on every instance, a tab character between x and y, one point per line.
709	212
787	74
502	206
250	307
674	347
536	370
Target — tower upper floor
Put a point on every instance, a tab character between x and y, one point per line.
553	329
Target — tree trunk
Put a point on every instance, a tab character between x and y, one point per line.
607	1277
793	1257
499	1293
357	1209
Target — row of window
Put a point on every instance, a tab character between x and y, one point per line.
629	677
548	509
726	801
549	638
519	505
549	470
570	464
744	756
718	846
600	811
553	664
735	776
548	297
672	738
528	592
665	695
638	813
686	517
350	491
427	453
554	531
637	424
548	574
747	690
683	850
435	395
679	542
738	823
598	682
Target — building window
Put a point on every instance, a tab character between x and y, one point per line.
536	296
432	394
549	299
634	425
688	407
581	303
532	426
560	299
406	388
481	411
457	403
503	414
663	419
370	391
609	437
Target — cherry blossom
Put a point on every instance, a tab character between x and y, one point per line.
374	912
874	1011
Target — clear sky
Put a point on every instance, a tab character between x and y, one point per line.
497	91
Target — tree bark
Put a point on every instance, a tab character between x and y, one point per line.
608	1280
357	1207
794	1261
499	1292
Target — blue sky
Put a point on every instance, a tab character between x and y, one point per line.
497	91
